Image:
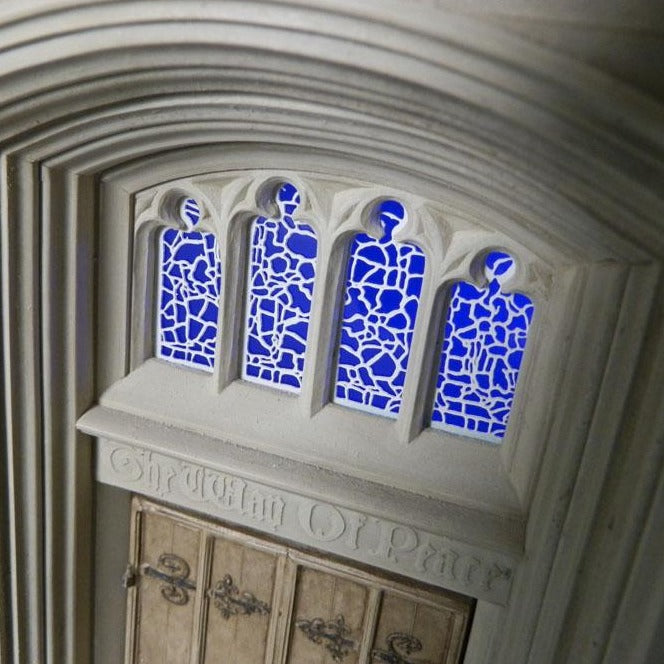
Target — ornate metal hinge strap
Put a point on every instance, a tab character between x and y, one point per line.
399	648
174	571
332	634
228	599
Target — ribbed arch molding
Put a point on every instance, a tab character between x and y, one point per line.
360	49
103	101
477	179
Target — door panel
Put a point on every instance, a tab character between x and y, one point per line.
201	593
240	604
328	619
165	607
412	630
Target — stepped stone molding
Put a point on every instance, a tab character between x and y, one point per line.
104	100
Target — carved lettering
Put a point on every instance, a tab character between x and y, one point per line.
265	508
255	505
192	482
464	568
159	475
394	538
274	511
321	521
354	522
436	560
426	556
392	545
446	564
162	475
234	494
126	462
213	486
497	572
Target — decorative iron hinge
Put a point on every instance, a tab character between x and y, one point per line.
399	648
331	634
228	599
174	571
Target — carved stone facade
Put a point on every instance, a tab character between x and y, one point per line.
386	544
490	139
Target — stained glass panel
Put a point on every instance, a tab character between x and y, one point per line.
281	280
190	212
484	341
188	299
384	281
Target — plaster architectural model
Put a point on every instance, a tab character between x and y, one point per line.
496	143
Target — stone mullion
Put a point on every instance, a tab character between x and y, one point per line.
233	253
425	348
144	292
319	361
145	271
415	409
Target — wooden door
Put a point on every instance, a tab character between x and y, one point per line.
169	552
240	603
416	626
201	593
329	618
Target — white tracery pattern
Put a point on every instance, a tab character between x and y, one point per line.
281	280
381	300
485	338
190	283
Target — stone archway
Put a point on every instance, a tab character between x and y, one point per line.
509	130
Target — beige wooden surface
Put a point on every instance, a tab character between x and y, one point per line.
240	639
431	626
296	587
164	630
325	596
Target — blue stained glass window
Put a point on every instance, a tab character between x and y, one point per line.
189	287
484	341
282	269
383	285
190	212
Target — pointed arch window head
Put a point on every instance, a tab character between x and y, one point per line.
189	288
282	269
484	340
383	286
